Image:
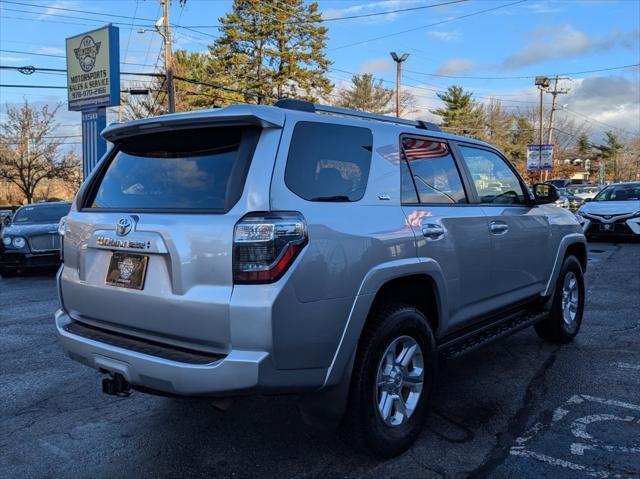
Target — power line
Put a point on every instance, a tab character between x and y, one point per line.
525	77
426	26
589	119
127	26
323	20
22	52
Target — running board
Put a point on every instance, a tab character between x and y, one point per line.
487	333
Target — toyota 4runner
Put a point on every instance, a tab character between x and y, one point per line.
307	249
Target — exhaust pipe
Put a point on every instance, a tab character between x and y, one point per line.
116	385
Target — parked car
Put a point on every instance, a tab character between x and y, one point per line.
5	217
614	211
31	240
306	249
559	182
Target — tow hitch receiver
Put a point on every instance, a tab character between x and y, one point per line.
116	385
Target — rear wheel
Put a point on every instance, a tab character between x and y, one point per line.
393	377
565	317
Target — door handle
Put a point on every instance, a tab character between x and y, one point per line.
498	227
432	231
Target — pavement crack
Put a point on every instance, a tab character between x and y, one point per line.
519	422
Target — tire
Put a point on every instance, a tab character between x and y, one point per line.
393	330
561	325
7	273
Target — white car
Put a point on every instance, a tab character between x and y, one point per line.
615	211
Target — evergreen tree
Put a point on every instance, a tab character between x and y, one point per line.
461	113
272	49
609	151
583	146
366	94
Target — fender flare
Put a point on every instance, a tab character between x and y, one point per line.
377	277
563	246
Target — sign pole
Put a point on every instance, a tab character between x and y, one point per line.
93	144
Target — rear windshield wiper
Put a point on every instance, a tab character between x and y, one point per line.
331	198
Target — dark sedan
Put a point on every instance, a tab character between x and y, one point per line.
32	240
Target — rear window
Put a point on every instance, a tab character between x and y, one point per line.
329	162
200	169
40	214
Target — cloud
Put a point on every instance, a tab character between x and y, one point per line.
614	100
456	66
444	36
10	59
543	8
553	42
377	65
51	50
372	7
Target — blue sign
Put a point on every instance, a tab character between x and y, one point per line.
93	69
94	146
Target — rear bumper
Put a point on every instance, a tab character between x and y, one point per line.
20	260
236	373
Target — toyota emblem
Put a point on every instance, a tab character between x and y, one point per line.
123	226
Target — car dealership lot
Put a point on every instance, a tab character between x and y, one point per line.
517	408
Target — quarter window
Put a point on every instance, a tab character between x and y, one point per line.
433	170
495	182
329	162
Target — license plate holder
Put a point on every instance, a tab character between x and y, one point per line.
127	270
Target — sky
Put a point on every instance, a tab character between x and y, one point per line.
490	47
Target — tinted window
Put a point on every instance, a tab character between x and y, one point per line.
40	214
329	162
434	171
189	169
493	179
619	193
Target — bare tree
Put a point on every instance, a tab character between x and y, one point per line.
29	153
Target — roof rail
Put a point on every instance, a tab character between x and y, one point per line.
302	105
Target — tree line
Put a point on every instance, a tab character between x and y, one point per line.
268	50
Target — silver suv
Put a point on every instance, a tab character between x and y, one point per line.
306	249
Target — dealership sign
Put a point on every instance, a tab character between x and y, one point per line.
93	69
539	157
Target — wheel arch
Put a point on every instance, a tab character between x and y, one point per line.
574	243
402	280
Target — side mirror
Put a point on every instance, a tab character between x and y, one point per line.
544	193
586	200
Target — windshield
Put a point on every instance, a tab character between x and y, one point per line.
200	169
619	193
40	214
581	190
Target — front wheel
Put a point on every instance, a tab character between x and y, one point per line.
393	377
565	317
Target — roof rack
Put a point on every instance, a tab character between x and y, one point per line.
307	106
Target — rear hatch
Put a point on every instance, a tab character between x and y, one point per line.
148	247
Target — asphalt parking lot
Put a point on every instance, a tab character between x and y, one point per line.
517	408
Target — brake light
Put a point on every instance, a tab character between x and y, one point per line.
265	245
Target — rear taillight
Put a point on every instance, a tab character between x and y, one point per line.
265	245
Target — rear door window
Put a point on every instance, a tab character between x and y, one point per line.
433	170
329	162
200	169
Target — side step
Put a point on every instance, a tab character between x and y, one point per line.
485	334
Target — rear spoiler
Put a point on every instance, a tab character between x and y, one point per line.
264	116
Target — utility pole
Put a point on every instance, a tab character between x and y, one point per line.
554	94
398	61
168	54
542	83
